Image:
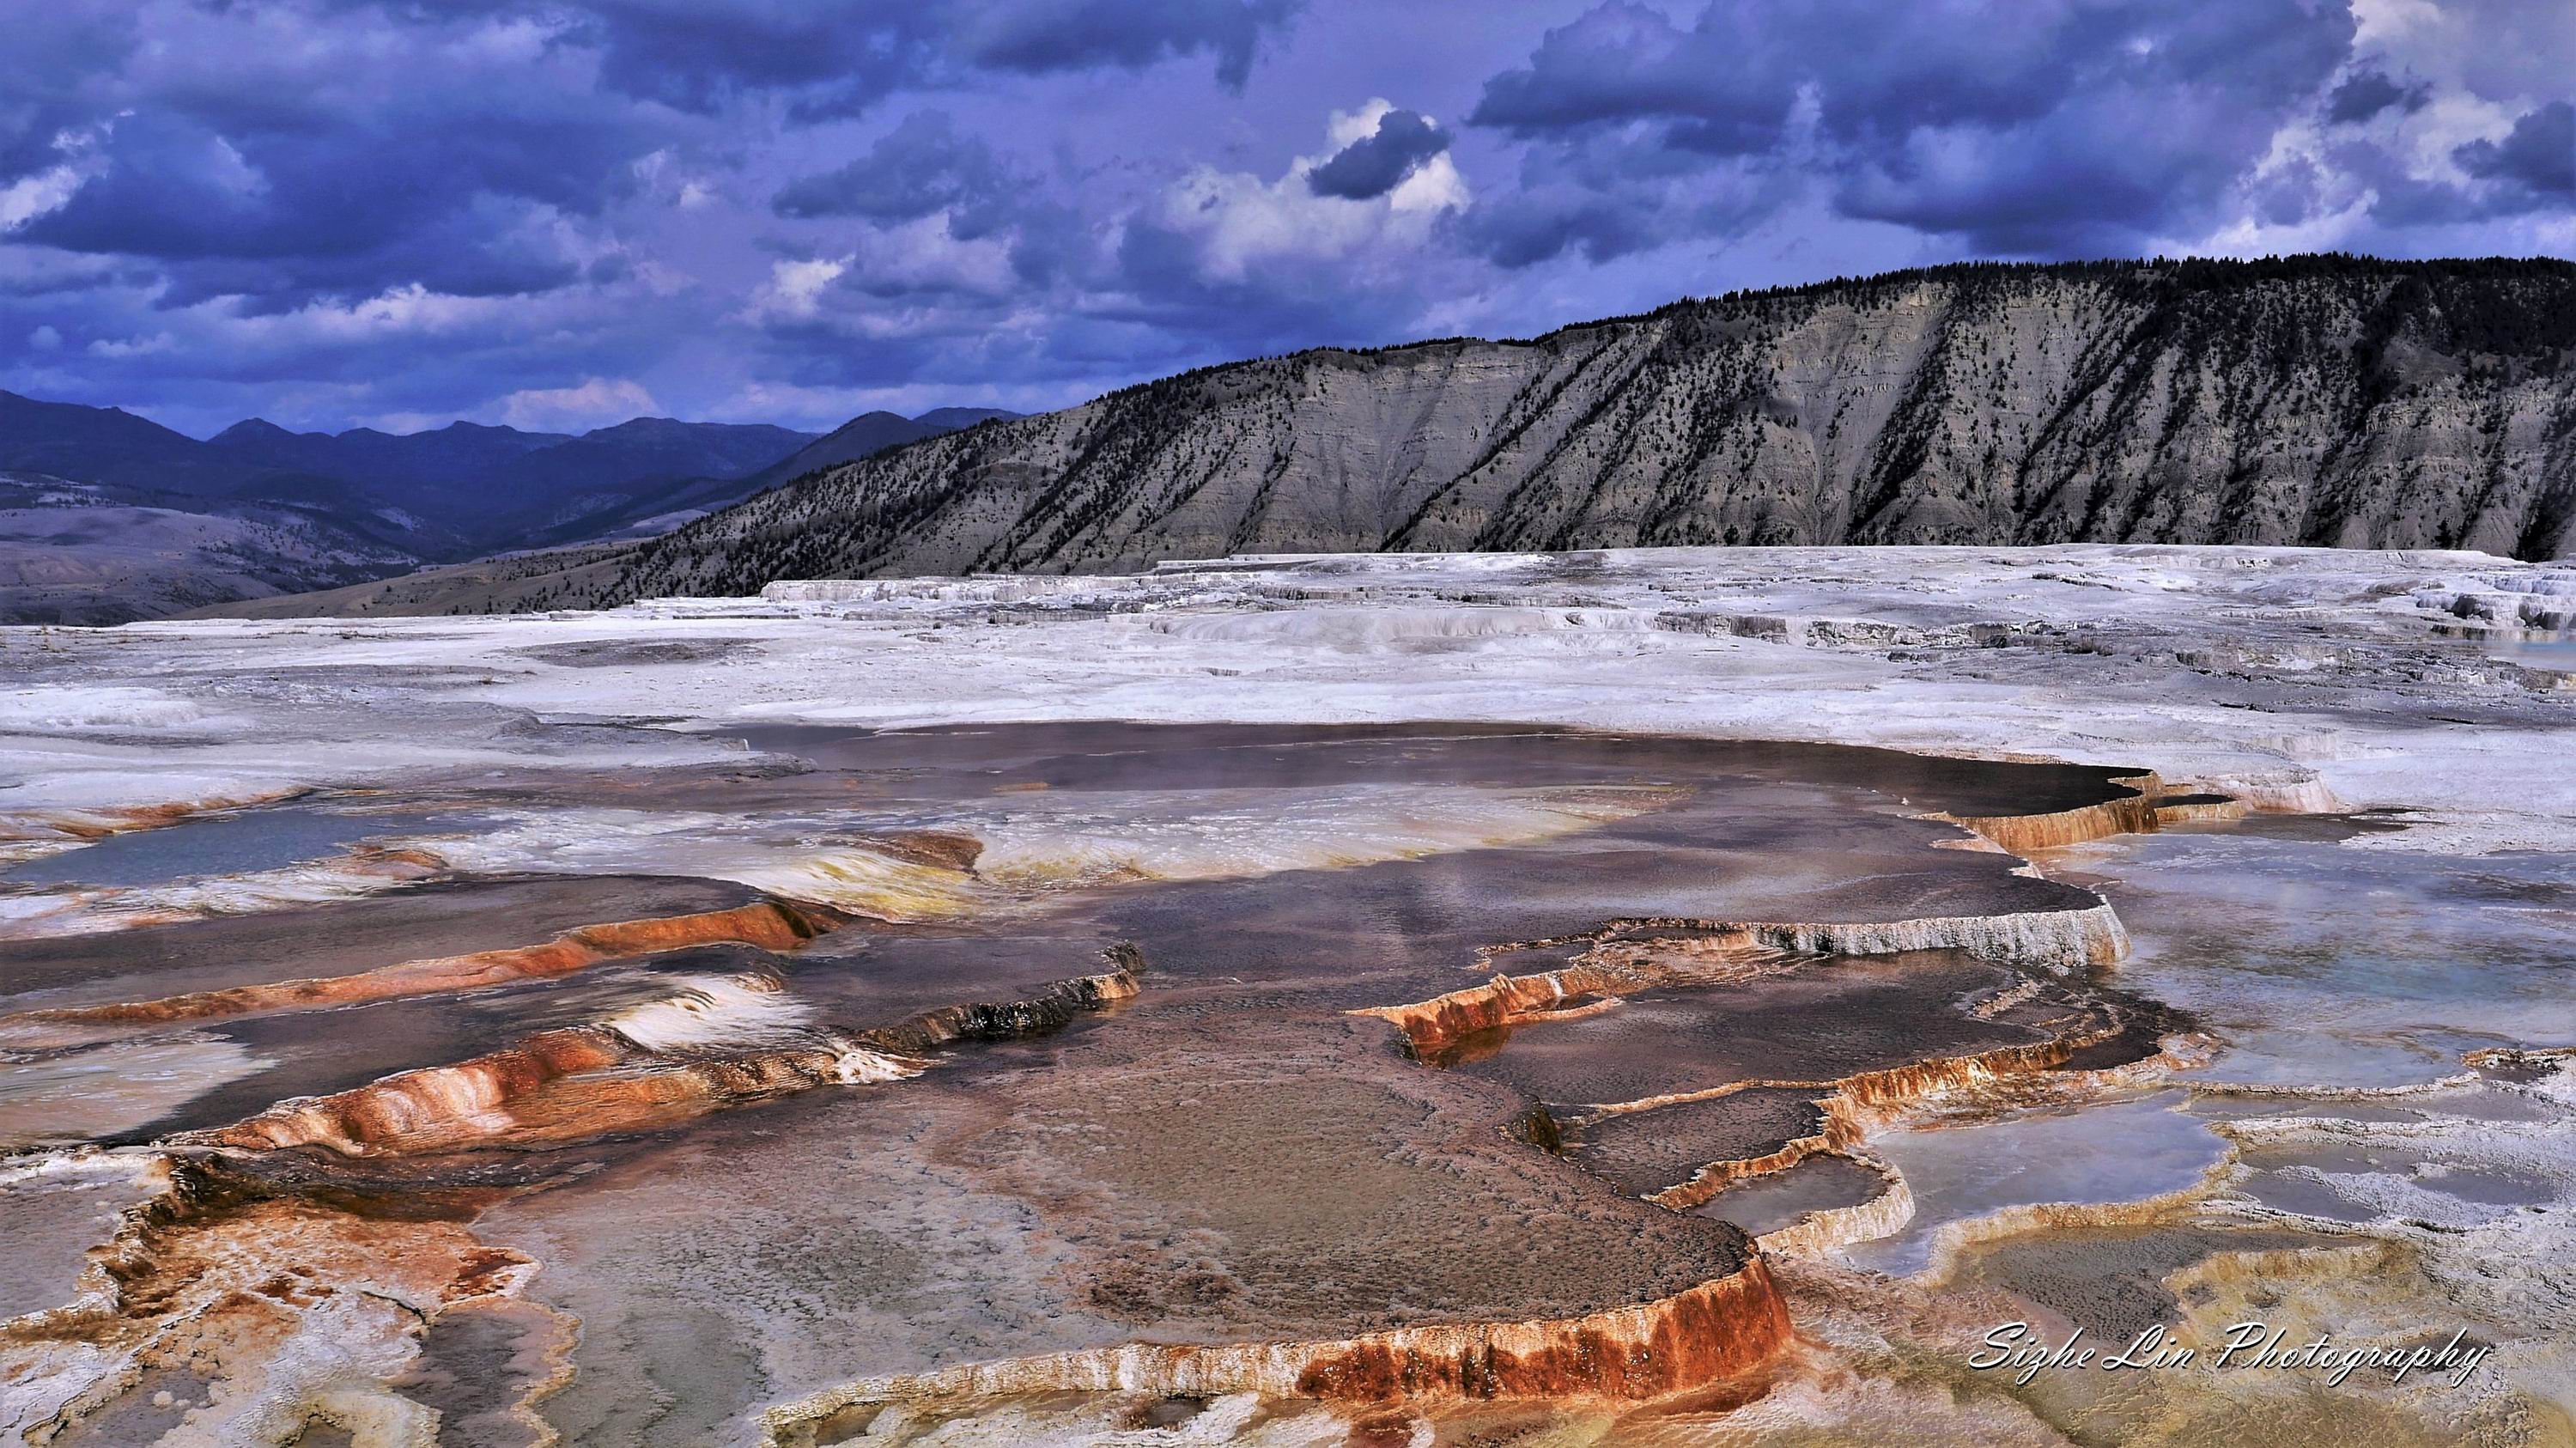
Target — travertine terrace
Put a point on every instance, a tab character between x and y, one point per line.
1677	996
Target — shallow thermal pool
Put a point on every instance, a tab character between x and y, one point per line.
888	1053
238	843
2540	653
2321	964
2120	1152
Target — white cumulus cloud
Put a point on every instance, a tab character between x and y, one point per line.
795	288
1243	220
594	402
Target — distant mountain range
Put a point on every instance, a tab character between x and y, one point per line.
106	516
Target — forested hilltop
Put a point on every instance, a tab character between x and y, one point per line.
2331	400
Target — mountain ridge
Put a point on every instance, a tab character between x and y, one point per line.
2334	400
107	516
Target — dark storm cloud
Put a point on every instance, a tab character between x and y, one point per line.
1540	226
1607	192
420	206
1278	306
923	165
1148	306
835	60
262	153
2366	93
1036	36
2029	127
2290	194
408	149
2538	158
207	377
1375	163
701	56
283	214
47	52
1623	62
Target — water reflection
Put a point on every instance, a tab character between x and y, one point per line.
2325	965
2124	1151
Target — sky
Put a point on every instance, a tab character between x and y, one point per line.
564	214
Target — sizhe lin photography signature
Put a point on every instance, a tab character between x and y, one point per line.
2019	1347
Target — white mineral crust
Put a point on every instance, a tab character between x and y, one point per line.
2303	677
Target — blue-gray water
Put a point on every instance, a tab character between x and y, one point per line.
233	844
